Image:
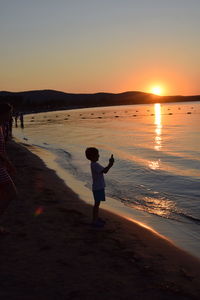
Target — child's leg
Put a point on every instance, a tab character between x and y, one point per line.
96	211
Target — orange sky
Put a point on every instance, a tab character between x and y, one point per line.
110	46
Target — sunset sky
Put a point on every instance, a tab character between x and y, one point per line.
88	46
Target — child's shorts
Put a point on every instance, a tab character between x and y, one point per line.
99	195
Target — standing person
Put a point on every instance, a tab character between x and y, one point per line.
98	185
16	118
7	187
5	128
21	117
10	126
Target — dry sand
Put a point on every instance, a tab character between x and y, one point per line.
53	253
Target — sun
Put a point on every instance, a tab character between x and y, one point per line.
157	90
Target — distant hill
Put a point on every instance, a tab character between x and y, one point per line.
44	100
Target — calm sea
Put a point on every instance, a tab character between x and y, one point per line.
157	157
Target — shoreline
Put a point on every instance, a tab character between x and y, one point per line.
166	229
53	253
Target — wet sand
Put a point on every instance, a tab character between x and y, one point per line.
52	252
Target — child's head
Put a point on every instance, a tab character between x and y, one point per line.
5	112
92	153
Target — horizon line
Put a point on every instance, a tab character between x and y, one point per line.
101	92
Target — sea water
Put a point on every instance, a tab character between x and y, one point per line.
157	159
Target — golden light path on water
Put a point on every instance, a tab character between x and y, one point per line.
154	165
161	207
158	129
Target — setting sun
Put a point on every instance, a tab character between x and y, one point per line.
157	90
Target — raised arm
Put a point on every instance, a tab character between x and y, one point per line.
111	162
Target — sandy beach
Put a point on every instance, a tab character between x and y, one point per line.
52	252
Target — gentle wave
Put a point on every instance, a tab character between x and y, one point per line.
145	199
157	157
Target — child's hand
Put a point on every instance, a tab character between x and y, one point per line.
111	160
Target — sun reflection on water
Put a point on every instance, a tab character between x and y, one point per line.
158	129
154	165
158	206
